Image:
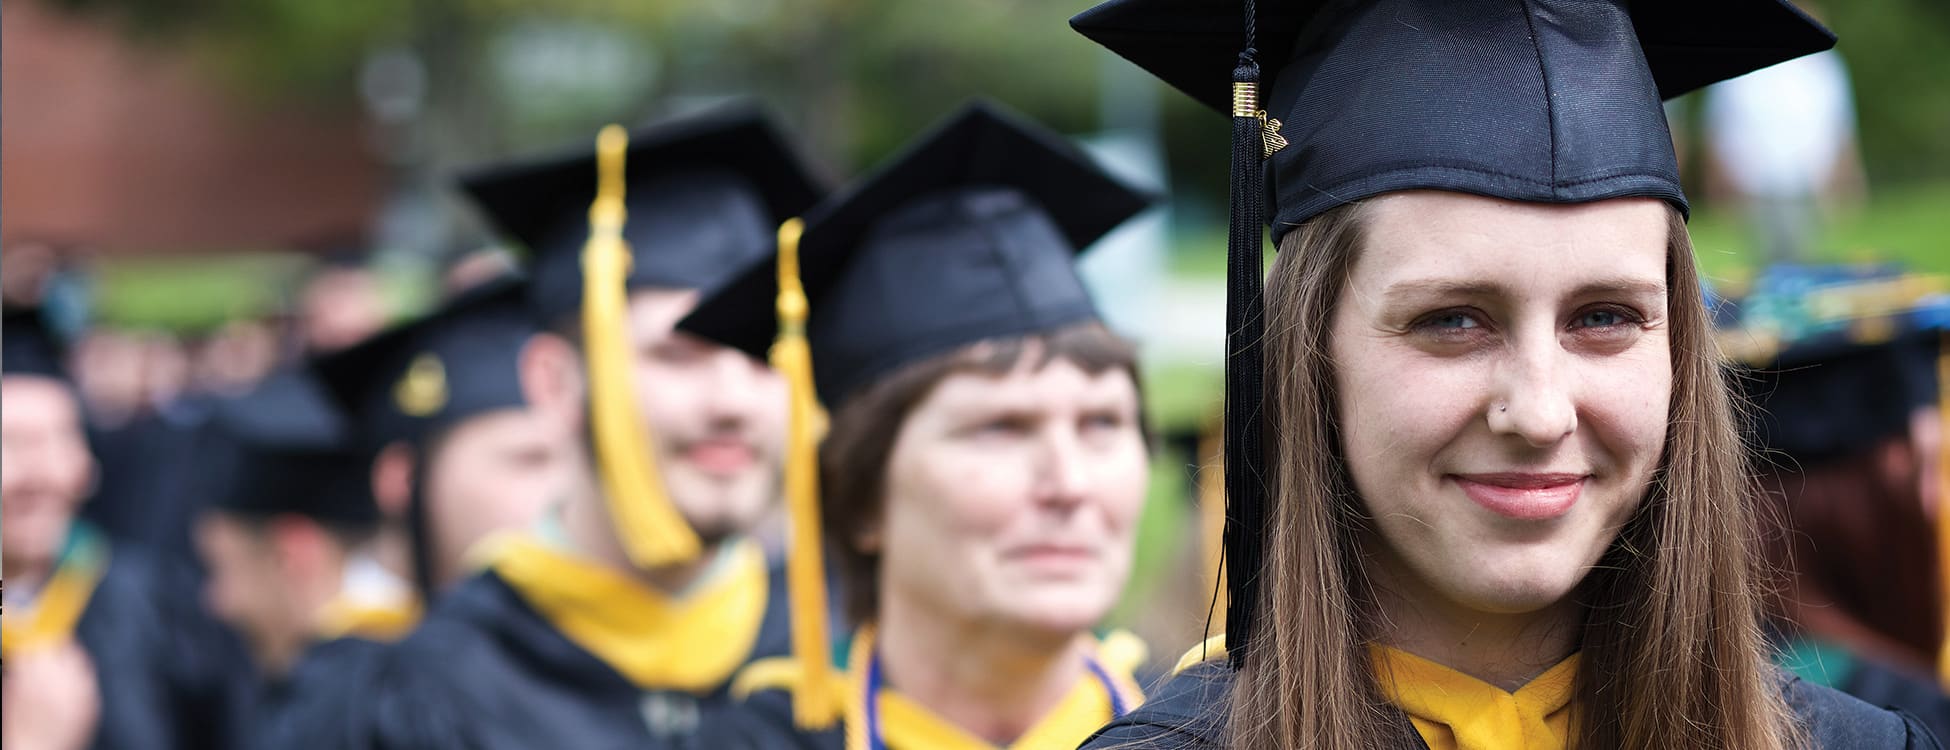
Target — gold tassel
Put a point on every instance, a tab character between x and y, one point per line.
652	532
814	707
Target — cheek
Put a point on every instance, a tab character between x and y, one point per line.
669	397
1628	403
1127	478
950	496
1395	410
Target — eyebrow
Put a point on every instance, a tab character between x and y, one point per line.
1451	287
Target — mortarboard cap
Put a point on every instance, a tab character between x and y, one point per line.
1549	101
1837	357
292	454
29	347
971	233
422	377
704	194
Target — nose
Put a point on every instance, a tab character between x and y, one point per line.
1063	478
1534	397
740	385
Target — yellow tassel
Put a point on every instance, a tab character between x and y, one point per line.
652	532
814	706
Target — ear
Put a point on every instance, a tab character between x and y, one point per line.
392	479
551	380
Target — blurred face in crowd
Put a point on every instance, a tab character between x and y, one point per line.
340	307
1504	375
267	578
1012	498
45	468
718	417
491	472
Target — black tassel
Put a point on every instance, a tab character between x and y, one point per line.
419	531
1245	306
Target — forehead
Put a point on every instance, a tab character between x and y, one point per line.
657	309
1425	232
1058	382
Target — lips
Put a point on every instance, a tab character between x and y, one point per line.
1052	556
1521	496
720	457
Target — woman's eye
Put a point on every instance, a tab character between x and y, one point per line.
1003	426
1604	317
1450	322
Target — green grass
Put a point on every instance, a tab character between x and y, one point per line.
1909	224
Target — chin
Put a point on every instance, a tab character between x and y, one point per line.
34	538
721	508
1520	589
1060	609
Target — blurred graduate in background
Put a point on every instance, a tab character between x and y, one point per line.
987	463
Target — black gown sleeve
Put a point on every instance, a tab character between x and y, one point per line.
1187	712
763	721
1838	721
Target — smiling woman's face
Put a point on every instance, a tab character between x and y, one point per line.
1503	374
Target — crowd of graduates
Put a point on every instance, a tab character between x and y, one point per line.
733	457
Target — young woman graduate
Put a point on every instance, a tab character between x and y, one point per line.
985	466
1484	483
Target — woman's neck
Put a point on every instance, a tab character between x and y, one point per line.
993	682
1503	649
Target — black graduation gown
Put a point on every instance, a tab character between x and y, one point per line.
327	672
1880	685
158	473
1179	716
485	671
764	722
166	673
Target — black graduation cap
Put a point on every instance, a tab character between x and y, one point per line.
421	377
704	194
971	233
1836	357
293	454
28	347
1554	101
1829	407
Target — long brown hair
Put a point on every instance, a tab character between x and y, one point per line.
1673	653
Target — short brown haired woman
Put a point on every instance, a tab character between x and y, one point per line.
1505	502
985	465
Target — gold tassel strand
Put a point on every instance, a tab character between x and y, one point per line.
814	706
652	532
